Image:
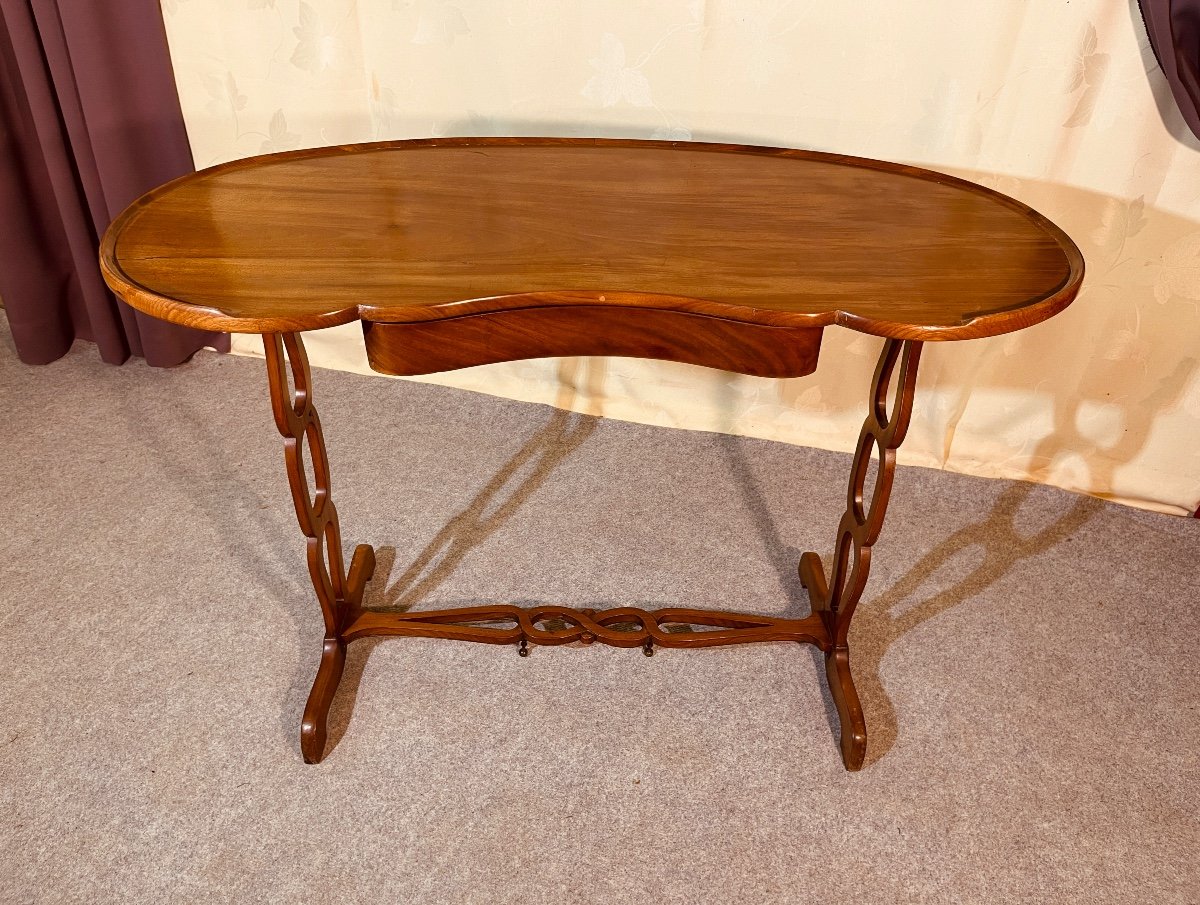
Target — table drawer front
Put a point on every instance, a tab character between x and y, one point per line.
425	347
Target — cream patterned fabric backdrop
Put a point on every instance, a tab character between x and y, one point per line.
1058	104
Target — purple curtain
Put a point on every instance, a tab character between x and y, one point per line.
89	120
1174	29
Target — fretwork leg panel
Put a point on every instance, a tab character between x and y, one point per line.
835	600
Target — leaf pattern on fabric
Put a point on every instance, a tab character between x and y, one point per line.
614	81
316	47
224	92
811	399
439	23
1090	69
1119	222
278	136
1128	346
1179	270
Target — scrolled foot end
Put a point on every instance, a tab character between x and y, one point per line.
850	714
313	730
312	742
854	750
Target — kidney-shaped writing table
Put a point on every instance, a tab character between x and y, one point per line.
464	252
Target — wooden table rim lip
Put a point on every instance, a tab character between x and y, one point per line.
396	331
991	323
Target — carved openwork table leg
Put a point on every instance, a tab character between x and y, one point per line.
834	600
338	592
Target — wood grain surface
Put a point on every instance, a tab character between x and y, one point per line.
412	231
425	347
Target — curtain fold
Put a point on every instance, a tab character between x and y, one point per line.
1185	34
89	120
1174	30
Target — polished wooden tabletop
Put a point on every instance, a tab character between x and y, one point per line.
429	229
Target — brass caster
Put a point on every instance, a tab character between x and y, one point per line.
648	648
523	650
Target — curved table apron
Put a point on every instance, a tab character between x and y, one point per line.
464	252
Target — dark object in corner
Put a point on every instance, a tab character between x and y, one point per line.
1174	29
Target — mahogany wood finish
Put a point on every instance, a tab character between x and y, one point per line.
339	593
423	347
431	229
618	627
461	252
834	601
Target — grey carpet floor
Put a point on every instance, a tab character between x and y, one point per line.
1027	660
